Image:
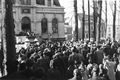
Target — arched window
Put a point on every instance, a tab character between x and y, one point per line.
0	2
56	2
40	2
55	25
25	2
26	24
44	25
49	2
13	1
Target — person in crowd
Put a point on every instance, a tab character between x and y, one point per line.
103	73
99	55
77	75
70	60
1	63
118	70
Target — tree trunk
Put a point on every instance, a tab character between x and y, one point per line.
76	21
89	19
95	14
105	18
83	22
99	26
10	38
114	20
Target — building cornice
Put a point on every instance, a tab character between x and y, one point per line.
48	12
38	6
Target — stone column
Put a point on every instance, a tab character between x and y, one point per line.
40	28
33	2
46	2
33	16
50	27
17	2
19	26
51	2
32	26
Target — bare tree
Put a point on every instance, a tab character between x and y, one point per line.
89	19
99	26
83	21
114	21
9	38
76	20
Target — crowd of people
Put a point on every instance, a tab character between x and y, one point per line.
70	60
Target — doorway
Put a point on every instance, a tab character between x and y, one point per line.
26	24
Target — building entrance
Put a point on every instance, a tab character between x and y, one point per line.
26	24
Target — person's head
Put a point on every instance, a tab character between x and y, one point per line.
74	49
77	73
118	50
98	46
119	59
89	60
95	67
100	66
57	55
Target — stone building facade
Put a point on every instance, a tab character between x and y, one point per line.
42	17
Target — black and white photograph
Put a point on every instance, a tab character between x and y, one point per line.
59	39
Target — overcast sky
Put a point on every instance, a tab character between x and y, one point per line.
69	10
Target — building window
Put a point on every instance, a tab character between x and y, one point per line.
26	24
0	2
56	3
86	35
109	35
25	2
86	28
44	25
49	2
92	28
13	1
40	2
25	10
55	25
